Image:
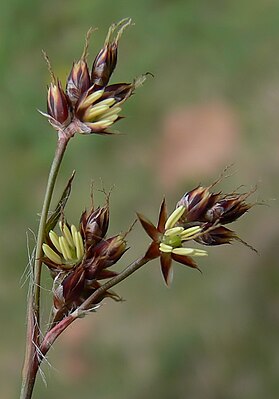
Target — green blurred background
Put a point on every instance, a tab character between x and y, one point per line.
214	100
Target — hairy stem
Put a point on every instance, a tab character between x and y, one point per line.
54	333
31	361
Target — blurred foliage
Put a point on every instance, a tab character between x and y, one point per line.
214	335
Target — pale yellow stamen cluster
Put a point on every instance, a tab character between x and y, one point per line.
104	113
69	246
174	237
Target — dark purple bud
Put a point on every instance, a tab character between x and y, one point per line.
57	104
78	81
217	236
94	225
109	251
197	202
228	209
105	62
104	65
73	285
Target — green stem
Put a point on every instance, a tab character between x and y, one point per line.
31	362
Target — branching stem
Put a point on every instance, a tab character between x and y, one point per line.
31	361
54	333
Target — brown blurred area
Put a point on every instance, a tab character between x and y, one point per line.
213	102
196	141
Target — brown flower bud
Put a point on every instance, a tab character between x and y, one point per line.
68	288
196	203
216	236
104	65
105	62
228	209
111	250
78	81
94	225
58	105
105	254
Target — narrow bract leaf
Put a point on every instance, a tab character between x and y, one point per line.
53	219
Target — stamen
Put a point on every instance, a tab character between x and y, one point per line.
111	111
165	248
108	101
66	252
190	232
183	251
73	230
174	231
92	98
111	118
200	252
65	230
55	240
51	254
102	123
174	217
95	111
78	245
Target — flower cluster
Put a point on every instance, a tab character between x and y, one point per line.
199	216
79	257
88	104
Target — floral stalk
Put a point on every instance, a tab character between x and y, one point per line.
33	313
88	304
58	329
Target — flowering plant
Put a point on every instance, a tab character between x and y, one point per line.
80	258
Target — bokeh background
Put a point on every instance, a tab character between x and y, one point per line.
214	101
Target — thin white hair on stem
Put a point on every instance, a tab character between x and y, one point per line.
28	271
42	359
43	377
50	213
40	356
38	327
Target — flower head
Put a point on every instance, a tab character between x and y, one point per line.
212	211
79	257
169	239
200	216
89	104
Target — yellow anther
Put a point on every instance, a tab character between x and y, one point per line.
112	111
73	230
108	101
53	256
68	235
55	240
92	98
200	252
174	231
111	118
165	248
66	252
95	111
190	232
78	245
183	251
189	251
174	217
103	124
